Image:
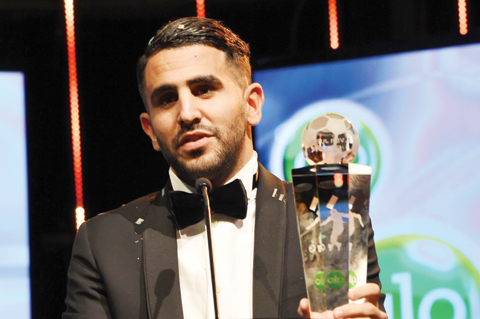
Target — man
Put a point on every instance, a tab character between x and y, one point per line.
147	259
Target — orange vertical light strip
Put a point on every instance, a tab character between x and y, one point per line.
74	112
333	24
462	17
201	8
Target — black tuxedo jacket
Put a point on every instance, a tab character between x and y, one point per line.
124	262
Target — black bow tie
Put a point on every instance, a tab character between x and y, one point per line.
230	200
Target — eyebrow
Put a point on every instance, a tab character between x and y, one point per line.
211	79
206	79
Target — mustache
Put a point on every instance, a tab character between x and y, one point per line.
197	126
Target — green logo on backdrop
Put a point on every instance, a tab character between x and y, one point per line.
427	278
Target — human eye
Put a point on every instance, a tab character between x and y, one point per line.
204	91
166	99
205	86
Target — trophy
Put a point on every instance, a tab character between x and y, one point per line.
332	198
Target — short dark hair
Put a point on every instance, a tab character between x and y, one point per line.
191	31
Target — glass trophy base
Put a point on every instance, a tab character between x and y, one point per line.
332	212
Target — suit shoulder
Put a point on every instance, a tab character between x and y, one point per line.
272	179
130	211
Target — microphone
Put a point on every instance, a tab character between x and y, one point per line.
203	186
203	182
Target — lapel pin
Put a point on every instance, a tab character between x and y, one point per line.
274	192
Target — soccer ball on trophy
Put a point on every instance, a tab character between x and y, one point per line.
330	139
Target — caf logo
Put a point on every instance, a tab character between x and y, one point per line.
335	280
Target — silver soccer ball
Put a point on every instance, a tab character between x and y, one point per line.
330	139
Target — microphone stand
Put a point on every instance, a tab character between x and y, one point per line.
204	186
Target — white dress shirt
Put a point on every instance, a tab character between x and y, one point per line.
232	241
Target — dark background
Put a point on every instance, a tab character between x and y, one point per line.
119	163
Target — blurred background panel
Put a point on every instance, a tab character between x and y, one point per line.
119	164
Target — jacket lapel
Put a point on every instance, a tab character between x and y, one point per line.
270	228
160	260
160	252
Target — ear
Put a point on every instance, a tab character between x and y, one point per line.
148	129
254	97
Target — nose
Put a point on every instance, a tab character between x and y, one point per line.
188	113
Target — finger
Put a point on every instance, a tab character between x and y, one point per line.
365	310
304	311
324	315
368	291
303	308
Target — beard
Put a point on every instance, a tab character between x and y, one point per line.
216	164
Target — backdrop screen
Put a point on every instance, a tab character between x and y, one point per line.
417	115
14	251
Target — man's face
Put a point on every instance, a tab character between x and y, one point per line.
198	112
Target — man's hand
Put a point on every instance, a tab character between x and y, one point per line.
367	309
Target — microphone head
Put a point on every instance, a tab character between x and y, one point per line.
201	182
